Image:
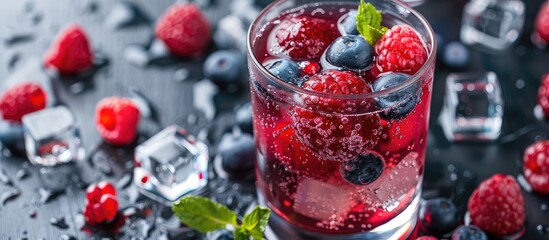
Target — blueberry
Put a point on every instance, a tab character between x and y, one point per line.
364	169
224	67
11	136
285	69
350	52
347	23
455	55
469	232
397	105
244	117
237	152
439	216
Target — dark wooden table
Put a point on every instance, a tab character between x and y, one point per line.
453	170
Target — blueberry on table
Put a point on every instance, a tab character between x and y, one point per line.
285	69
347	23
469	232
399	104
244	118
438	216
364	169
455	55
350	52
224	67
237	152
11	136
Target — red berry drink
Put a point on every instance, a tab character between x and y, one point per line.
341	93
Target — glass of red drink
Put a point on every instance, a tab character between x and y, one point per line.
340	150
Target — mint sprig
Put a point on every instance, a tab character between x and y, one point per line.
368	23
206	215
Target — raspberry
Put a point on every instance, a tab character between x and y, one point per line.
542	22
497	206
22	99
184	29
536	166
400	50
310	68
101	203
331	136
71	52
302	37
543	95
116	120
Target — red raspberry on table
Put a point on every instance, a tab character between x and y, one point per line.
322	125
71	52
184	29
400	50
542	22
101	203
543	95
22	99
116	120
497	206
536	166
302	37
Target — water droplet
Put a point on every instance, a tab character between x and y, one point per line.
9	195
59	223
22	173
46	195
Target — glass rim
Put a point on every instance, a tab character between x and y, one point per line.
415	78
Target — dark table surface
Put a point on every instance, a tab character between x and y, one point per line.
452	170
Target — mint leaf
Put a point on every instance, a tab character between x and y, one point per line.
203	214
256	222
368	22
241	234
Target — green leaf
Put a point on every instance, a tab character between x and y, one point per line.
256	222
203	214
241	234
368	23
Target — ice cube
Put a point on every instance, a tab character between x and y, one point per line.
473	107
231	33
492	24
321	200
171	165
52	137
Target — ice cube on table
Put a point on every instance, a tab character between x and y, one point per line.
171	165
322	201
52	137
492	24
473	107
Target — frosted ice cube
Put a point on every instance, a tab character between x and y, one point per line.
492	24
52	137
473	107
321	200
171	165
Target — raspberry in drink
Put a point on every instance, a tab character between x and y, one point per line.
341	93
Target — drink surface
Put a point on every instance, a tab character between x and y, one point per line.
307	152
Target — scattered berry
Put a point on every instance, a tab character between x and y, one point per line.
224	67
399	104
455	55
244	118
469	232
400	50
71	52
438	216
310	68
347	23
536	166
426	238
184	29
364	169
237	152
332	136
302	37
543	95
542	22
22	99
350	52
497	206
101	203
285	69
116	120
